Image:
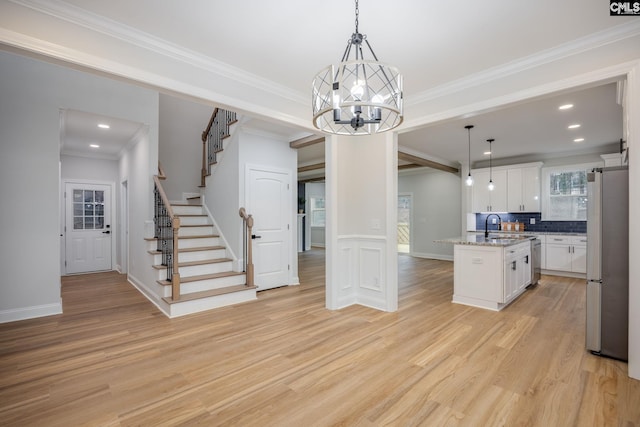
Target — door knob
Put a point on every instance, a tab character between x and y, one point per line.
253	236
106	232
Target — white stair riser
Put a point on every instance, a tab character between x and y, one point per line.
194	220
152	245
207	285
194	256
187	210
198	243
188	307
197	270
200	230
202	255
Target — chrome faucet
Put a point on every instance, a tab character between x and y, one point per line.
486	224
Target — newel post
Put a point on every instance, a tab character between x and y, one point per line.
203	173
175	277
249	251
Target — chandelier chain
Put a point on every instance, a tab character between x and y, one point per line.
357	15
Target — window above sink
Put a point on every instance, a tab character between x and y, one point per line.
564	192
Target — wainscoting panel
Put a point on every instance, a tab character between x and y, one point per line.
363	271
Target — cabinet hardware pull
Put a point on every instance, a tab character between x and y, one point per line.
513	265
526	259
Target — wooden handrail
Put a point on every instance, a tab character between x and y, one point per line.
164	197
169	254
212	139
205	136
247	232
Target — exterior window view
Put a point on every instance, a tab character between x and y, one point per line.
360	214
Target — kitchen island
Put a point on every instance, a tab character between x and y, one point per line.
490	272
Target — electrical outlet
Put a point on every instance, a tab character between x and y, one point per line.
532	221
494	221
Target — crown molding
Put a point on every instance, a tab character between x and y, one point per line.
78	16
577	46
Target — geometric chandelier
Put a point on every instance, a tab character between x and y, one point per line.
358	96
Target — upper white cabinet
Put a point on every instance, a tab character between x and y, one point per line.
523	189
517	189
484	200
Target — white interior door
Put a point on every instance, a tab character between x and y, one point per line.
87	227
269	201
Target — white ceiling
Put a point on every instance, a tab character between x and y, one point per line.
434	43
79	130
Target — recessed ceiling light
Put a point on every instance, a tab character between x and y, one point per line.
486	153
578	140
576	126
565	107
94	146
103	126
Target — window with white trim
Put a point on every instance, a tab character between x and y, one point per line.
564	192
317	211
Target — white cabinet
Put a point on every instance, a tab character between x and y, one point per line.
517	270
484	200
523	189
566	253
517	189
490	276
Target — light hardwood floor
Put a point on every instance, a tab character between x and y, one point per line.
112	359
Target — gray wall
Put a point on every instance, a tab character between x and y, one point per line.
436	211
32	93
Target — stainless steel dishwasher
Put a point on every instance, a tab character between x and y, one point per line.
536	253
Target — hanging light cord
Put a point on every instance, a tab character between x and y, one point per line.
469	132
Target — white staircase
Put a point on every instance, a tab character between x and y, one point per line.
207	279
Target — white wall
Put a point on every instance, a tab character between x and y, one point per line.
181	125
74	167
137	166
31	96
436	211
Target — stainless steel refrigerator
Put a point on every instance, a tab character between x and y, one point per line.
608	262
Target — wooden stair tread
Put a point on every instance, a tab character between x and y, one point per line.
201	248
198	249
186	204
190	215
211	293
199	236
203	277
195	225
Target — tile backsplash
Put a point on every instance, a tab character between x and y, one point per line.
540	226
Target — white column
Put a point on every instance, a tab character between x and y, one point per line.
633	140
361	221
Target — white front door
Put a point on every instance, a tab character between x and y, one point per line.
269	201
88	227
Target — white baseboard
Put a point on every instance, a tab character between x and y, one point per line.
32	312
440	257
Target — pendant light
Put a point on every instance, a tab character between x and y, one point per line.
490	186
358	96
469	180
